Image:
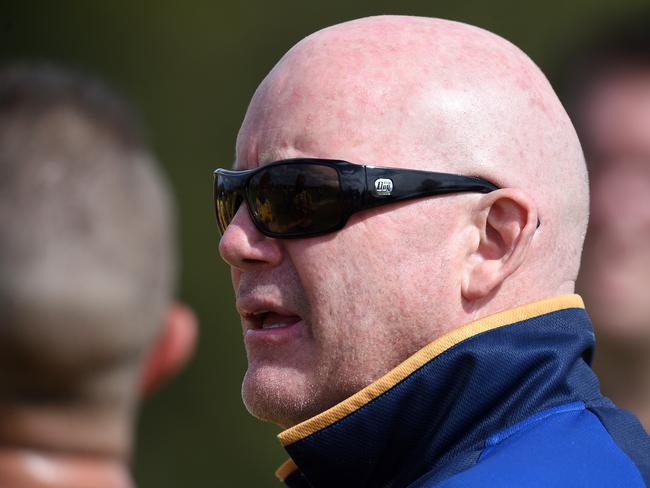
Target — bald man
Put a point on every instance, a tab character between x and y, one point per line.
87	265
404	226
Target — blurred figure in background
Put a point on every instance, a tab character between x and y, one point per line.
87	271
609	94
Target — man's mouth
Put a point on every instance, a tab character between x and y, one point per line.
269	327
273	320
268	323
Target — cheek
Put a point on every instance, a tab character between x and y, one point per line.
365	285
349	286
330	280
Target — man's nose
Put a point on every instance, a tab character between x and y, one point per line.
244	247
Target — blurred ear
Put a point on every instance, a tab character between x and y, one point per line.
172	349
506	221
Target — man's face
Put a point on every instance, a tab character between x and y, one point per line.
325	316
615	276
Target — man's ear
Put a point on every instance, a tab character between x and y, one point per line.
172	348
506	220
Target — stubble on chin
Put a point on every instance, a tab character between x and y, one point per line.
286	397
278	397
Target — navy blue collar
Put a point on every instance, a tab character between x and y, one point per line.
435	410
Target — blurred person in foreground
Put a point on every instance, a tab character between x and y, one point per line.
609	95
87	270
412	322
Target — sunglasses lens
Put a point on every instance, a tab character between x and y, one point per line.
296	199
227	199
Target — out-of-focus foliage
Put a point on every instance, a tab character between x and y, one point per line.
191	68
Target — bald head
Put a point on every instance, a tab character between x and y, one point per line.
431	94
411	93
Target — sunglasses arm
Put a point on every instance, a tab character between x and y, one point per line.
385	185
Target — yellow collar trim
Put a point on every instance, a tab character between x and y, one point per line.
420	358
287	467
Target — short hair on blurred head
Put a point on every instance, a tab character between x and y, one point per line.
87	252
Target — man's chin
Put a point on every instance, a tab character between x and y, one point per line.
282	396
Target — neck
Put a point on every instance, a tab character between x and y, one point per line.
73	447
624	373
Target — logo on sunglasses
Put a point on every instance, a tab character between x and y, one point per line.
383	186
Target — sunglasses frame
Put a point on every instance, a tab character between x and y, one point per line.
362	187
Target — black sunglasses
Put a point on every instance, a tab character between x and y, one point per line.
296	198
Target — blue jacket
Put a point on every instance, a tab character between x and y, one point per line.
505	401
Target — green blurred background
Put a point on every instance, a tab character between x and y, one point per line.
191	68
